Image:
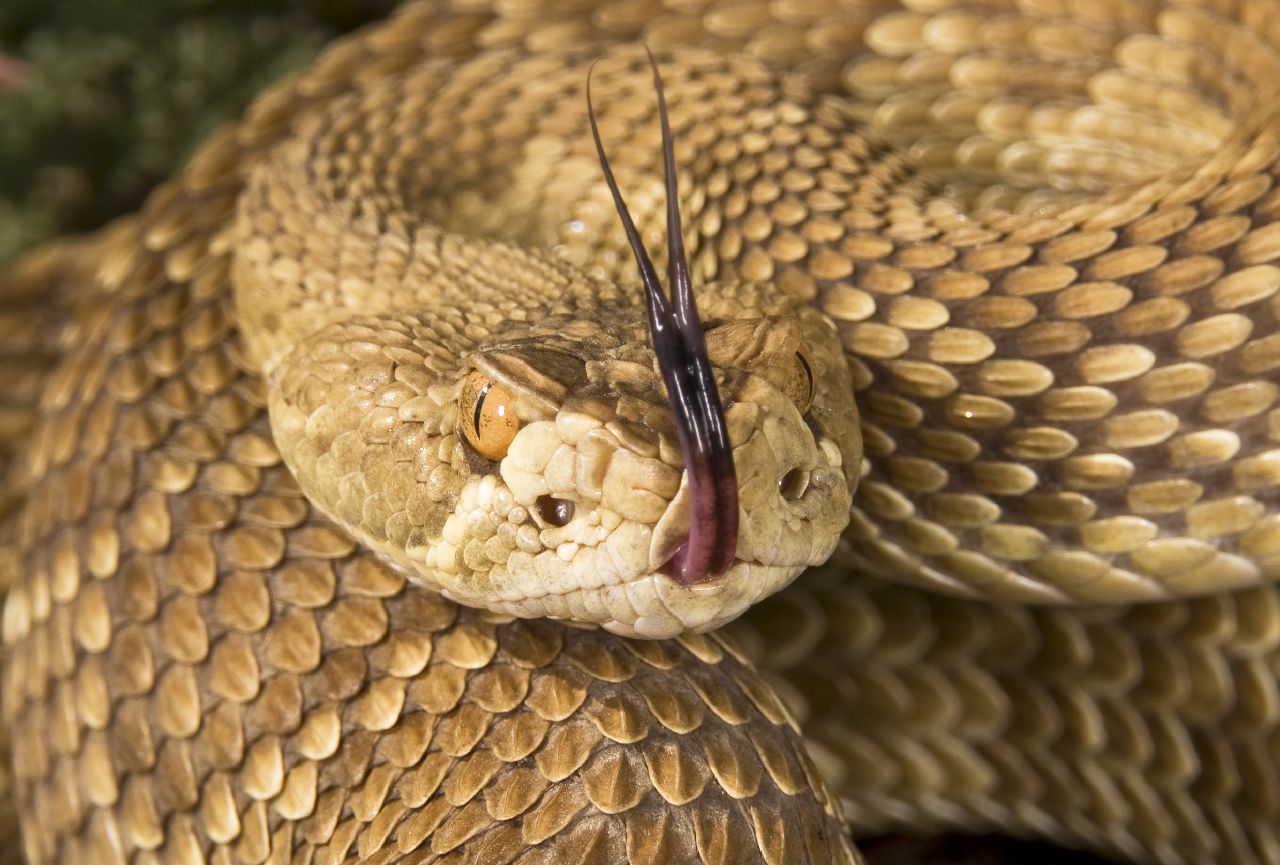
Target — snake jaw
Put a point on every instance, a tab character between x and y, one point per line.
680	345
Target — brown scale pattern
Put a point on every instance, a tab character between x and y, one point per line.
1149	734
204	670
199	669
1051	414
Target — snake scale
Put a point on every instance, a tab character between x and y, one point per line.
381	347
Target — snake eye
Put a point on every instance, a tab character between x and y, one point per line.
801	384
487	416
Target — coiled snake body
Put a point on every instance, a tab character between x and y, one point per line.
1037	244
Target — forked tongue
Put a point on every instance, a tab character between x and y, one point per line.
681	349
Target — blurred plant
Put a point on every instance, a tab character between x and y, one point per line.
101	99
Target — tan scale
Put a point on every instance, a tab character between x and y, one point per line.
1034	244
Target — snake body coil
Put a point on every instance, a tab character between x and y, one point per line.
381	346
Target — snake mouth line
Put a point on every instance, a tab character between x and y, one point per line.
675	568
681	348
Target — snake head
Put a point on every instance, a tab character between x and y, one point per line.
540	441
590	481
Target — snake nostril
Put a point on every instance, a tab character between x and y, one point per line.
793	484
555	511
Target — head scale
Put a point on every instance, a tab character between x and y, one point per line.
681	349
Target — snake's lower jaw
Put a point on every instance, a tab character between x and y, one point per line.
768	560
701	607
674	569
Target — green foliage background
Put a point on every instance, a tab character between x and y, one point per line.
118	93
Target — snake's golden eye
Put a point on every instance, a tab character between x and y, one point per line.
487	416
802	384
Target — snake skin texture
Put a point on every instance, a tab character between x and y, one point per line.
1046	240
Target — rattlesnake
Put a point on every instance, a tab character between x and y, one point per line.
381	347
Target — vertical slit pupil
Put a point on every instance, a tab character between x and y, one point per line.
808	371
484	392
